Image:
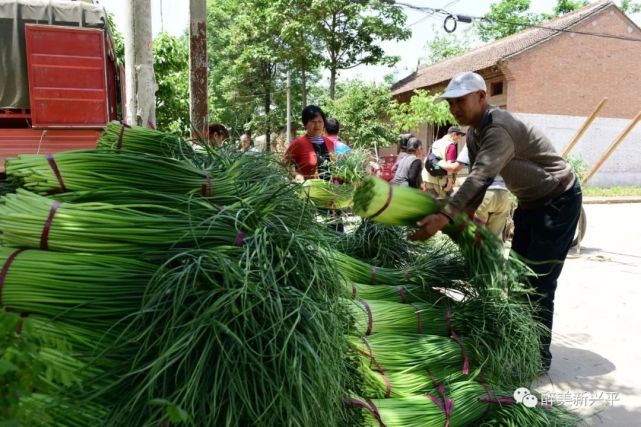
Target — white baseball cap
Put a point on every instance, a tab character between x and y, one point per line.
463	84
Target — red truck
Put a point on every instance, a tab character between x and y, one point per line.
60	82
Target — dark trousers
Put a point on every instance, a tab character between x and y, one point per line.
543	237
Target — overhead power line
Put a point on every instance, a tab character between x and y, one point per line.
451	20
431	15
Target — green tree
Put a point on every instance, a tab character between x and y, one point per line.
228	104
422	108
117	38
505	18
363	109
261	54
564	6
444	45
371	118
171	70
252	44
630	7
301	44
350	33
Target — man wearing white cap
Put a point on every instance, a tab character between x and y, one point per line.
548	194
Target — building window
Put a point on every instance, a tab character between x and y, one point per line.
496	88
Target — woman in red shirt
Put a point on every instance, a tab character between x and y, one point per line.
311	153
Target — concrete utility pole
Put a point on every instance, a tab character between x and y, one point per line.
139	65
198	113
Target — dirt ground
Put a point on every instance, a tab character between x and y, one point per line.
596	366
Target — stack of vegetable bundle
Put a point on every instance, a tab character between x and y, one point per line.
424	271
28	220
495	283
239	321
415	359
457	407
406	293
86	288
396	205
200	290
91	170
121	137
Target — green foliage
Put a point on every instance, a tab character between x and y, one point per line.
350	33
565	6
253	43
118	39
630	7
171	71
445	45
351	167
174	413
249	52
579	167
171	59
227	104
611	192
363	110
505	18
421	109
260	55
371	118
442	47
18	366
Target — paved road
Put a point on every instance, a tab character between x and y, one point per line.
597	323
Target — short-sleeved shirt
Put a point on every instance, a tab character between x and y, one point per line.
340	148
450	155
445	148
302	152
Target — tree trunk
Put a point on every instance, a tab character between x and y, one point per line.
303	81
268	127
198	113
332	82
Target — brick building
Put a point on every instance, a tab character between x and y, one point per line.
555	78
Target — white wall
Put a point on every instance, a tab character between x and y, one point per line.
622	168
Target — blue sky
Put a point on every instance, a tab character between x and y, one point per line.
175	20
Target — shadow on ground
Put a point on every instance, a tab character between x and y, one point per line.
576	370
601	255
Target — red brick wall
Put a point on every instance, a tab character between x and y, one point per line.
570	74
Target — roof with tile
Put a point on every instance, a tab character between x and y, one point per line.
499	50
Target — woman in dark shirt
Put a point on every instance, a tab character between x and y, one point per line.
409	169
